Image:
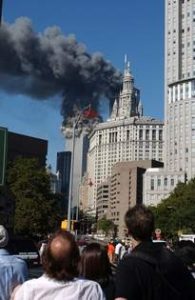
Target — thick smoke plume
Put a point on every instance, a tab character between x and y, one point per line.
43	65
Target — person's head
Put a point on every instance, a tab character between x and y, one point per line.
140	222
94	264
4	237
185	250
185	243
61	257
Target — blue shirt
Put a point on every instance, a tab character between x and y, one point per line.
13	271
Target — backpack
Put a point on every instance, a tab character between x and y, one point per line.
162	288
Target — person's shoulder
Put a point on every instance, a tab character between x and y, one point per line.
91	289
129	263
89	284
86	282
26	288
18	261
130	259
36	281
14	260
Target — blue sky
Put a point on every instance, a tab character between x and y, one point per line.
110	27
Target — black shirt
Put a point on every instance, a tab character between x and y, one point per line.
135	278
109	288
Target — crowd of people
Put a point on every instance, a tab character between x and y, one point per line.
145	270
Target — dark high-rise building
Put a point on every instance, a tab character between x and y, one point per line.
63	170
20	145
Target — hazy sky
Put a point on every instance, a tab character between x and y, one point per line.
110	27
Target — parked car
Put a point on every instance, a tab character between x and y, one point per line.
24	248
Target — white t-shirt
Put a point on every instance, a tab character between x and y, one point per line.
117	248
122	251
44	288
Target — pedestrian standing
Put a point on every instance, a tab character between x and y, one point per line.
13	270
111	251
151	271
185	250
122	251
60	279
117	251
95	266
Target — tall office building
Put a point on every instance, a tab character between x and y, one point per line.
179	102
81	144
180	86
126	189
63	173
126	136
19	146
103	199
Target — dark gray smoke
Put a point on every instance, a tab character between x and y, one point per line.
42	65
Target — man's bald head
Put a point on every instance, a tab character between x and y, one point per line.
60	247
60	260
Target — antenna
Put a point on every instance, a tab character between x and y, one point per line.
125	60
128	66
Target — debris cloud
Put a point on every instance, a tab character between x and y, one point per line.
42	65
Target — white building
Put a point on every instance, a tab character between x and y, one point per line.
157	184
126	136
180	86
179	91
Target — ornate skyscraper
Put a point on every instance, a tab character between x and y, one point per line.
126	136
128	104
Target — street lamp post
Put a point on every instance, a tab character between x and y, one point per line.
71	173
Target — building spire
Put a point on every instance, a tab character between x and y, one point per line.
129	95
114	113
125	59
140	109
127	70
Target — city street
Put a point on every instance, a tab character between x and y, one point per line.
35	272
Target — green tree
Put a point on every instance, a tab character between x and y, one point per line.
36	210
105	225
176	213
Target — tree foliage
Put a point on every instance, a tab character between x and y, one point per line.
105	225
176	214
36	210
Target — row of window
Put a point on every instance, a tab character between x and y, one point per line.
161	182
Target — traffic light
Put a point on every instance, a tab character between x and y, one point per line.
64	224
75	225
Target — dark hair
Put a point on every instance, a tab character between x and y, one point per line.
61	265
94	264
140	222
184	243
185	250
